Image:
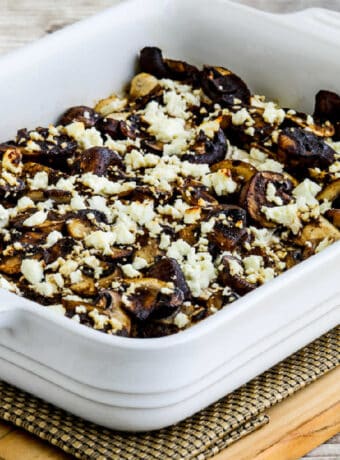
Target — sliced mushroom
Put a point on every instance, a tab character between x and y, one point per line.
153	146
207	150
86	287
151	297
299	149
190	233
240	170
333	215
300	119
80	113
196	194
118	322
315	232
32	238
254	194
154	329
10	185
81	223
151	61
228	277
149	250
143	84
330	192
50	149
168	269
11	265
12	160
79	227
97	161
57	195
106	281
327	107
223	86
229	229
61	248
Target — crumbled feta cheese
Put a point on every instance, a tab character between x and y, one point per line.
45	289
181	320
285	215
221	181
272	114
24	203
32	270
76	276
164	128
197	267
271	194
240	117
39	181
165	241
130	271
4	217
37	218
139	263
101	241
52	238
66	184
68	267
77	202
192	215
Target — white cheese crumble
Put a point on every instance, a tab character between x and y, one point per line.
32	270
37	218
221	181
4	216
273	114
197	267
39	181
101	241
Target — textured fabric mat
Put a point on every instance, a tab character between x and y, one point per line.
199	437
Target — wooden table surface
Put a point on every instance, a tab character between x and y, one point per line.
22	21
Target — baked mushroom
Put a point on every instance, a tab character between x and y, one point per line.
314	232
206	150
168	269
97	160
299	149
327	107
81	223
333	215
230	276
151	297
301	120
151	61
224	87
254	195
80	113
331	192
143	84
229	228
240	170
196	194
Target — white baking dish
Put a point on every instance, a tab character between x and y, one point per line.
136	384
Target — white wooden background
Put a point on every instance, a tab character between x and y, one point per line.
22	21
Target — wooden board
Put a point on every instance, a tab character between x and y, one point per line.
22	21
296	426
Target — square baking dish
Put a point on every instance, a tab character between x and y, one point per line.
145	384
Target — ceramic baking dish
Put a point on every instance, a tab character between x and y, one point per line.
139	384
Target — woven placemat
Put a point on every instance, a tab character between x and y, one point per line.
199	437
